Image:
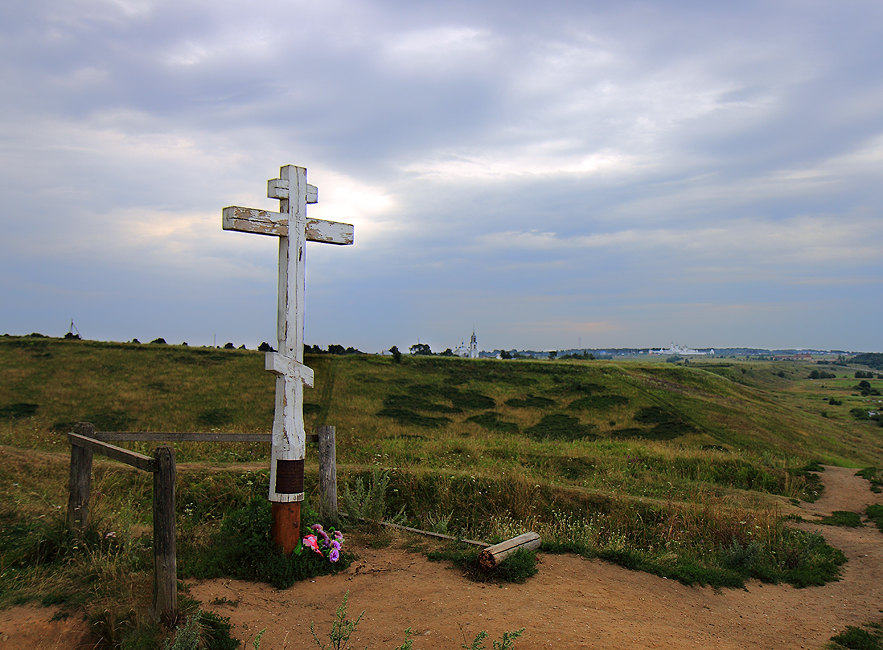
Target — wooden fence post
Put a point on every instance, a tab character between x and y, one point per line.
165	577
328	476
80	482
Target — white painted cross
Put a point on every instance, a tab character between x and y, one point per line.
293	228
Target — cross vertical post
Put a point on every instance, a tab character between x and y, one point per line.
294	230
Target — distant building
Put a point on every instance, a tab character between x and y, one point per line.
470	351
682	351
799	356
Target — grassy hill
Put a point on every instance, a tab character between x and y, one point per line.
423	410
682	470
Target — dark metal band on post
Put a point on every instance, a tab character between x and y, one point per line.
289	476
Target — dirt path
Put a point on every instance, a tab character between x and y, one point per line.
571	603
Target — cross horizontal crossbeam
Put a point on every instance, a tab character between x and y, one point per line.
264	222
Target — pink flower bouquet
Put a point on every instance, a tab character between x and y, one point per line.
328	546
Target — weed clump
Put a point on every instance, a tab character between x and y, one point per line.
411	408
407	417
367	499
531	401
875	514
472	401
559	426
573	468
516	568
855	638
667	425
491	420
871	474
416	403
844	519
583	387
202	630
342	629
217	417
598	402
506	642
18	411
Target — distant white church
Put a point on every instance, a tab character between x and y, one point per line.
681	350
468	351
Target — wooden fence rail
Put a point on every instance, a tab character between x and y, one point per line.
86	441
162	466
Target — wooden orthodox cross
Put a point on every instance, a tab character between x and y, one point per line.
293	228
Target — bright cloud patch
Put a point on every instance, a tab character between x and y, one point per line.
441	50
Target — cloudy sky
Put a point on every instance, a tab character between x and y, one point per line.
553	174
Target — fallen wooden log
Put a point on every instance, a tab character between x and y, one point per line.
493	555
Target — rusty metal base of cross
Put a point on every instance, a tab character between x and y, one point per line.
285	528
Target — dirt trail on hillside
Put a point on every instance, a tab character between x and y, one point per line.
571	603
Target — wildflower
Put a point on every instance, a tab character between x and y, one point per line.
110	535
322	543
311	541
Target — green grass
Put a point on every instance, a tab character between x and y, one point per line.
875	514
857	638
844	519
681	471
872	475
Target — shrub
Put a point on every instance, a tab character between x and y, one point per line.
367	499
518	567
203	631
243	549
